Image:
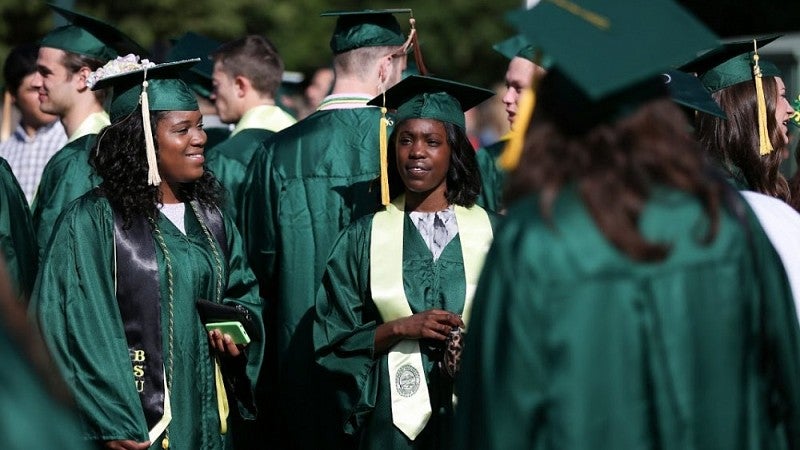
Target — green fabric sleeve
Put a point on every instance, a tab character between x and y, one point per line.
17	240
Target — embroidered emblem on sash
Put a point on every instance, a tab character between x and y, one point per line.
407	380
138	361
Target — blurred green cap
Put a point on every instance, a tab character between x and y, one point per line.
192	45
687	90
519	47
89	37
367	28
420	97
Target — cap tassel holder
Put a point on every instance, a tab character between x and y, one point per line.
765	146
414	39
512	153
384	155
153	178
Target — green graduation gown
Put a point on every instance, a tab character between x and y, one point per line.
77	310
574	346
305	185
66	177
29	416
229	160
344	336
17	241
493	178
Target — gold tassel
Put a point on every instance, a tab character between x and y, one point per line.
509	159
384	157
153	178
5	127
765	146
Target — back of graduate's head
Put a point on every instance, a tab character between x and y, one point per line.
612	133
368	43
253	57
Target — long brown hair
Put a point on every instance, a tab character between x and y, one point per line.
614	166
734	143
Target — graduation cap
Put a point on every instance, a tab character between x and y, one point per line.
519	47
419	97
193	45
687	90
90	37
739	62
157	87
367	28
607	55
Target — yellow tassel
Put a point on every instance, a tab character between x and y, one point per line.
765	146
513	151
384	158
153	178
165	443
222	398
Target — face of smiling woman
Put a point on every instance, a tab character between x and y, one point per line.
181	140
423	159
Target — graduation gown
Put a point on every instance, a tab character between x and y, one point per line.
344	336
77	310
305	185
29	416
66	177
229	160
17	241
493	178
574	346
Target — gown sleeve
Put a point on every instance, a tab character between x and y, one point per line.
75	304
242	290
345	325
17	240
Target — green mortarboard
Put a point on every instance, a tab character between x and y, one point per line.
368	28
519	46
687	90
419	97
166	90
90	37
606	46
731	64
193	45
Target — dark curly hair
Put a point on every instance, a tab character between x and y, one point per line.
734	142
119	157
615	167
463	176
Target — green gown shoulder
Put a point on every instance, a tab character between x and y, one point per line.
17	239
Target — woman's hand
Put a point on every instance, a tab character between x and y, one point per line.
127	445
223	343
431	324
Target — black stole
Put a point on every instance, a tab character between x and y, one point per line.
139	299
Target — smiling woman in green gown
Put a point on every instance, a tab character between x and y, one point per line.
129	260
397	282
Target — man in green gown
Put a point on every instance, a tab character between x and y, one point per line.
66	58
520	75
306	184
17	241
247	75
575	342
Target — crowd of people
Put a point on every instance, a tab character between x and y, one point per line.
193	260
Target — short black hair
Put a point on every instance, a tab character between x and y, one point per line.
463	176
20	63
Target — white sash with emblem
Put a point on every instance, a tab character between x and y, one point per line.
411	405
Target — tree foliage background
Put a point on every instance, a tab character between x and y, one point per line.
455	35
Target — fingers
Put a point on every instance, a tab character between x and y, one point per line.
127	445
223	343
